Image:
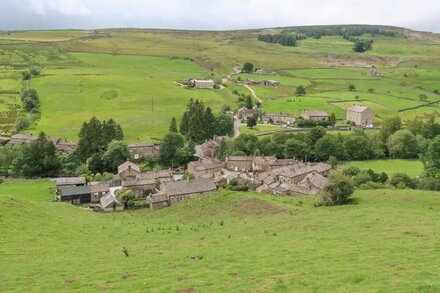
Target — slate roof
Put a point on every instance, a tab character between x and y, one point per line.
156	174
99	187
357	108
138	182
74	190
126	165
315	113
140	144
239	158
190	186
322	167
158	197
70	181
108	200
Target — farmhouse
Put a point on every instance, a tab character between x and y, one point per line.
239	163
109	203
128	170
205	168
141	150
361	115
244	113
269	83
98	190
160	176
315	115
140	187
75	194
202	83
210	147
278	118
69	182
261	164
186	189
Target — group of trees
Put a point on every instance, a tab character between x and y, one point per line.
361	45
30	100
37	159
101	145
199	123
285	39
28	74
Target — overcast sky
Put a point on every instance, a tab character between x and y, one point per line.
215	14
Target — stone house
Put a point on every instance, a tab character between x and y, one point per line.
209	149
239	163
109	203
69	182
141	150
315	115
140	187
128	170
244	113
159	176
269	83
186	189
158	201
75	194
98	190
202	83
262	164
360	115
19	138
278	118
205	167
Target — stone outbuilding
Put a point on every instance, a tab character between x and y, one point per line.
315	115
202	83
128	170
141	150
69	182
98	190
186	189
140	187
360	115
109	203
205	167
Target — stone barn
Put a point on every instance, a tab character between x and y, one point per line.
361	115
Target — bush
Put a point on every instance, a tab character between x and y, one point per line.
428	184
362	178
373	185
401	181
351	171
239	188
337	190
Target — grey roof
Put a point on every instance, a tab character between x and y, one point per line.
190	186
99	187
315	113
23	136
206	164
293	171
321	167
239	158
70	181
357	108
126	165
138	182
108	200
314	179
74	190
156	174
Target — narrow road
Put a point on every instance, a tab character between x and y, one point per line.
237	125
253	93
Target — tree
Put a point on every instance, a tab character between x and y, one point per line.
402	181
22	123
316	133
351	87
224	125
40	158
333	161
223	150
402	144
300	90
431	158
116	154
251	122
169	147
329	145
248	67
358	147
249	102
26	75
351	171
210	128
173	125
333	119
125	196
337	190
389	126
30	100
296	149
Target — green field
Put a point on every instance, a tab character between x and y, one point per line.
412	167
224	242
79	67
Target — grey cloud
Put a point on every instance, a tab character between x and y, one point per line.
214	14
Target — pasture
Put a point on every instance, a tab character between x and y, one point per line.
223	242
411	167
79	67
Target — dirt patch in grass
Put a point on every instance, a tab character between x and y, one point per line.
69	281
109	95
129	276
255	206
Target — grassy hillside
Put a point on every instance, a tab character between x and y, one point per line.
78	67
224	242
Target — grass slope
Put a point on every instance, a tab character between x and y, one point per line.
411	167
224	242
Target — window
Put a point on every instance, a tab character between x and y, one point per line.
136	156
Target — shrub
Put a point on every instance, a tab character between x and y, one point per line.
401	181
362	178
351	171
373	185
428	184
239	188
188	176
337	190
